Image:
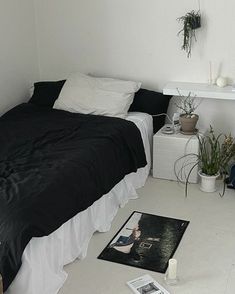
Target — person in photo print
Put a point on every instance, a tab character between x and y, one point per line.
135	246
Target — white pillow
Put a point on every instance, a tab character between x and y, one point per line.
92	95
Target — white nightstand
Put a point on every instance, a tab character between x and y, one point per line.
167	149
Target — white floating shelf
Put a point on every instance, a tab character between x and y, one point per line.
199	90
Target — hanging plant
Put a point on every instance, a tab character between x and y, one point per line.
191	21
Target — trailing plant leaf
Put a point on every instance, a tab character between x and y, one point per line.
191	21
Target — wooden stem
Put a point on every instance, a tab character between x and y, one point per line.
1	285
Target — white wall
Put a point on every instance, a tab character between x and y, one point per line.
137	39
18	52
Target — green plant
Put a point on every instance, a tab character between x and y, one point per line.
215	153
187	104
191	21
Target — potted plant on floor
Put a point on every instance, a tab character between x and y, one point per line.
214	155
188	119
191	21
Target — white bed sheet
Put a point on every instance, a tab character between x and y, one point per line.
44	258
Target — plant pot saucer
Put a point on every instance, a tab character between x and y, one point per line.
189	133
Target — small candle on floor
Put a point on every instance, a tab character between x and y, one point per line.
172	269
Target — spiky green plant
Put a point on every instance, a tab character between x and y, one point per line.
215	153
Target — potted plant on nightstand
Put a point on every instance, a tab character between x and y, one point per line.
214	155
188	119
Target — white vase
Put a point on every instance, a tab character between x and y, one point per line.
208	182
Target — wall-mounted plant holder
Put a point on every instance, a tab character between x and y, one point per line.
191	22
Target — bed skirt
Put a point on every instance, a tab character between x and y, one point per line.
44	258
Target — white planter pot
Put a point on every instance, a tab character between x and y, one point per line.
208	182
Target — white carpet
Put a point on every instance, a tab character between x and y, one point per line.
206	254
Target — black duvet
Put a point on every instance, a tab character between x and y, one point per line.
54	164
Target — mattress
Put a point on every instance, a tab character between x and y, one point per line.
44	258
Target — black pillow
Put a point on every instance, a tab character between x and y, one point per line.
151	102
46	93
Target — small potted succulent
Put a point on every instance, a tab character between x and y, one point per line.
188	119
213	158
191	21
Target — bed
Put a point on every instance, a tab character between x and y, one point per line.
44	258
44	224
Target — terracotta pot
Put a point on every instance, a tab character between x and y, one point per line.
188	123
208	182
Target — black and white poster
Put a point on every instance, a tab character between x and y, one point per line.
146	241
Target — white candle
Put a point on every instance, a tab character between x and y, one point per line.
210	73
172	269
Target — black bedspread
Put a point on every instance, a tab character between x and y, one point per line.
54	164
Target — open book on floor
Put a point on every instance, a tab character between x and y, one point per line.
146	285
